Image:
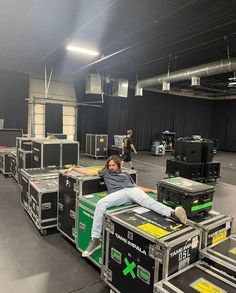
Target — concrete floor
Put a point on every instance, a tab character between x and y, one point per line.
31	263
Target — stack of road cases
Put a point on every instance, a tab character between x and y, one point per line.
55	153
70	188
86	209
43	203
222	255
198	277
195	197
214	226
34	174
142	247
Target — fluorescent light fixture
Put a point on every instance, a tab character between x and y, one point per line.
82	50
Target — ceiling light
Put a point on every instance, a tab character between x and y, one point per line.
82	50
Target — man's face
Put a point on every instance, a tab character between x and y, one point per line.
112	166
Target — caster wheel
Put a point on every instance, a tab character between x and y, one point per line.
44	232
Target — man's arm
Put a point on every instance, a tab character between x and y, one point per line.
123	148
81	170
146	189
133	148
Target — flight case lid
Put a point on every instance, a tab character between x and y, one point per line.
185	185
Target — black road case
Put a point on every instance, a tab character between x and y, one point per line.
114	151
96	145
14	168
142	247
55	152
24	159
5	160
23	143
46	153
195	197
43	203
214	226
198	277
69	153
212	170
194	171
27	175
222	255
70	188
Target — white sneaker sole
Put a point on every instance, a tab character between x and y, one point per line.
88	253
181	215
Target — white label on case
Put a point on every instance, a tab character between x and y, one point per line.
195	242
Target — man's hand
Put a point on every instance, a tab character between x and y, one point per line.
67	171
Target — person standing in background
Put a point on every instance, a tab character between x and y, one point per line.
127	147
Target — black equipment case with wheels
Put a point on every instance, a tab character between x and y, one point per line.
43	203
195	197
199	277
222	255
142	247
214	226
34	174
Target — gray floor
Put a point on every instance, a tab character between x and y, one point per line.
31	263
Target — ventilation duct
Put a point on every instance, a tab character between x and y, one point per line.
209	69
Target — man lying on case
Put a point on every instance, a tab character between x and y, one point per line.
121	191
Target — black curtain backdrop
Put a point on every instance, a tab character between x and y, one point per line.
53	118
224	124
148	116
14	89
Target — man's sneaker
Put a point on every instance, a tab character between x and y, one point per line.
179	214
94	244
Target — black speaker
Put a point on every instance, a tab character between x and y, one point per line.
212	170
208	151
191	151
194	171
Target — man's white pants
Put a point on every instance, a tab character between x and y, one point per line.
124	197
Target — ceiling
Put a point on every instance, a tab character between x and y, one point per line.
135	38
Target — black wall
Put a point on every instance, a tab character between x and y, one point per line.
14	89
224	124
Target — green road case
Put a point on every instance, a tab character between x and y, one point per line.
222	255
199	277
142	247
87	205
214	226
195	197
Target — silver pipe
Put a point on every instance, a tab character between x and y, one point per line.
213	68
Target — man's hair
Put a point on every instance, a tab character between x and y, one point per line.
129	132
116	161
